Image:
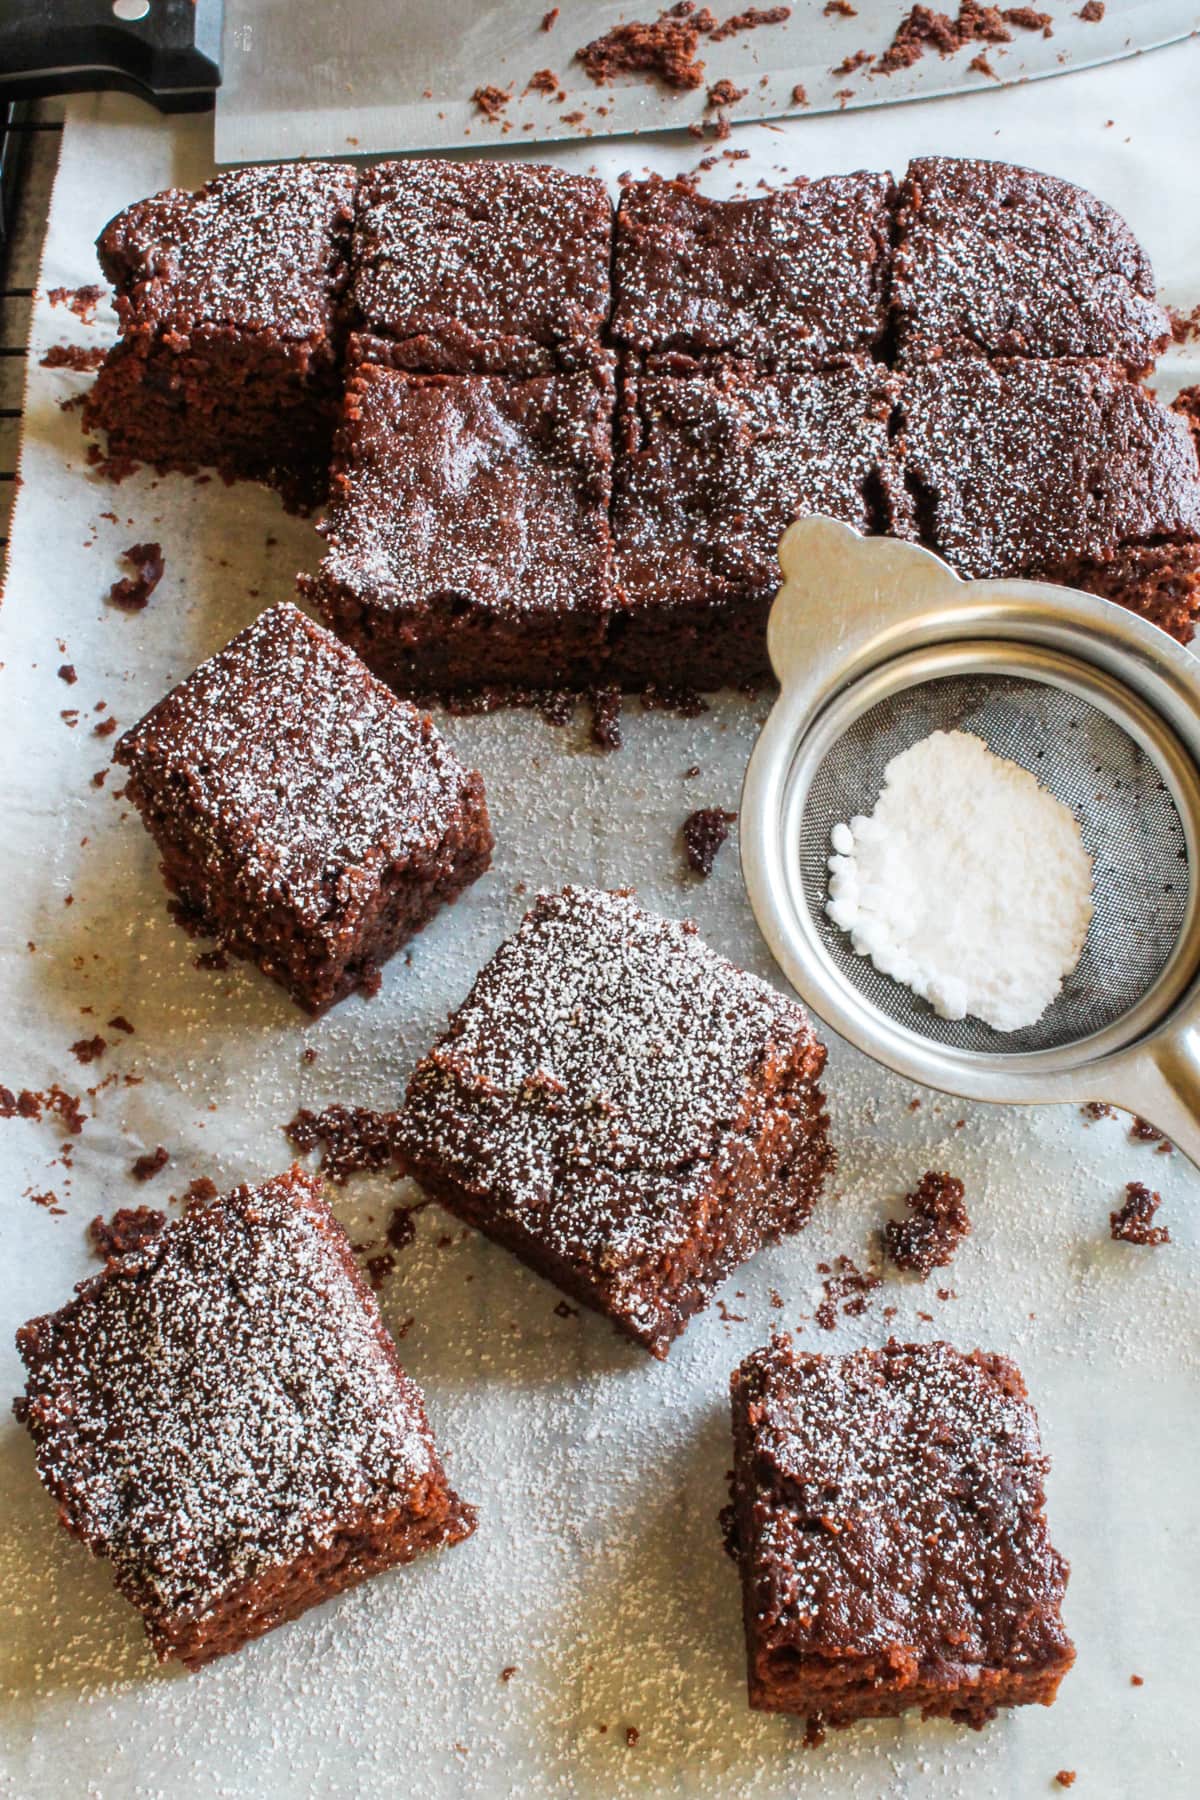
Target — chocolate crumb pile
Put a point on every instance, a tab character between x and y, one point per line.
846	1286
666	49
1133	1222
938	1222
923	29
704	832
350	1138
133	591
128	1229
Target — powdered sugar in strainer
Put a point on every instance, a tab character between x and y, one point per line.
875	644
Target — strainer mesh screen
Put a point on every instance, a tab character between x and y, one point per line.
1127	817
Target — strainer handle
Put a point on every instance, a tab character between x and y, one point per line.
1163	1087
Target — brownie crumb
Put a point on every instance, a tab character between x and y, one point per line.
350	1138
1093	1110
507	1673
939	1222
86	1050
923	29
491	101
31	1103
550	19
1092	12
724	93
82	301
750	20
1137	1681
105	728
67	673
1065	1778
378	1268
606	718
564	1310
846	1286
146	1167
119	1022
982	66
665	49
851	64
132	592
83	358
799	95
401	1231
543	81
704	832
196	1192
128	1229
1143	1132
1133	1223
840	9
632	1735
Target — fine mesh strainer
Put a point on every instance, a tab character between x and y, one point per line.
876	643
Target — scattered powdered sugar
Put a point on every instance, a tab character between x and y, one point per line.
969	883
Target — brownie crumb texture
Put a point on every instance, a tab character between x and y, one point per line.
704	832
350	1139
132	592
1133	1222
127	1229
937	1224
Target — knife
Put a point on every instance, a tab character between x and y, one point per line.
167	51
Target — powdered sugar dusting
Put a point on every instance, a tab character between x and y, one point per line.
220	1402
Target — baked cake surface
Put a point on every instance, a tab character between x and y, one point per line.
468	533
889	1519
1005	261
484	267
712	467
622	1108
221	1413
794	279
306	816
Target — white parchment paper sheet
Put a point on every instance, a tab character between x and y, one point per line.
597	1569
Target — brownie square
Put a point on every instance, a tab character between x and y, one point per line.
796	279
481	267
712	467
306	817
228	301
621	1108
1010	262
1061	471
222	1414
889	1520
468	528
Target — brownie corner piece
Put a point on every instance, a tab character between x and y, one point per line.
222	1415
796	278
482	267
305	816
889	1523
229	302
468	539
624	1110
998	260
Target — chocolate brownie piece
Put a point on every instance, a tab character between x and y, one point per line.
712	467
468	528
889	1521
621	1108
481	267
1011	262
228	301
305	816
1060	471
222	1414
795	279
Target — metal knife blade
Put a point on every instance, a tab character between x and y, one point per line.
357	77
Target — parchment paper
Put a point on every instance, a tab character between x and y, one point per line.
597	1570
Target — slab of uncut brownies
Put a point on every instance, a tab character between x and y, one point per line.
305	816
229	302
889	1521
1060	471
468	532
795	279
713	464
996	260
222	1415
481	267
624	1110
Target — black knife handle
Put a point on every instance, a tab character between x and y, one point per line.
170	57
